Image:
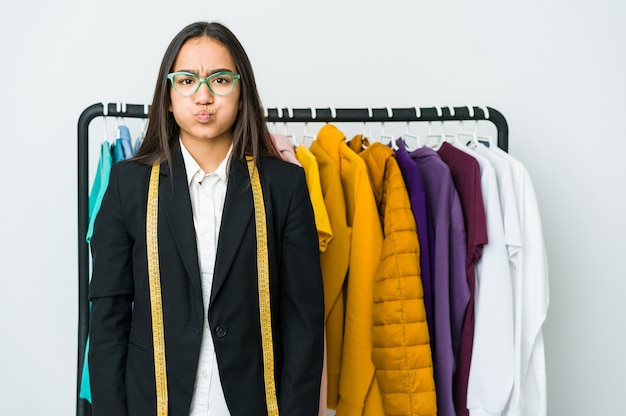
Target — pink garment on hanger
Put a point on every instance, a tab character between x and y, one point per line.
324	383
285	147
287	153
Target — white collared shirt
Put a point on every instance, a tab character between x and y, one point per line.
207	192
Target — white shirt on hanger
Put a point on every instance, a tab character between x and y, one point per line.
508	203
207	193
532	297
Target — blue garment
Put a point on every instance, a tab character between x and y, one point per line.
138	143
127	144
123	148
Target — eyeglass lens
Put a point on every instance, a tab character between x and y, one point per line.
220	84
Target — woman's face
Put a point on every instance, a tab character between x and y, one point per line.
204	116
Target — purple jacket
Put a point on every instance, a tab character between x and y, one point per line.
425	234
450	287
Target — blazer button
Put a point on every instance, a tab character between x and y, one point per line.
220	331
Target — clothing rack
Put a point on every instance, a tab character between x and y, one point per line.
273	115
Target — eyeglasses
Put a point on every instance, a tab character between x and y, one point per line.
187	83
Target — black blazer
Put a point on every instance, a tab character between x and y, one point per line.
121	356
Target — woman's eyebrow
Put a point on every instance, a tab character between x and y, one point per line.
214	71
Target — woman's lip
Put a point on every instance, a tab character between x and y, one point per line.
203	116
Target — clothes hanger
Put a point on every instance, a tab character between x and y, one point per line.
368	134
452	137
280	115
105	112
473	137
367	137
305	134
270	126
120	120
414	138
487	140
389	137
291	136
441	136
333	114
408	135
142	131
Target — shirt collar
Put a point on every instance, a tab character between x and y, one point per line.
193	168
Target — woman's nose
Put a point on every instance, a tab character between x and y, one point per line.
204	94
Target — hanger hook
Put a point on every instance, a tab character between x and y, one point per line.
106	132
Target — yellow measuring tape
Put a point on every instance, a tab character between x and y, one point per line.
160	369
156	302
264	290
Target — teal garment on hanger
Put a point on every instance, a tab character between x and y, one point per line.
100	184
85	382
122	149
118	151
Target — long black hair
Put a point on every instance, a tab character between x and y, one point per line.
250	133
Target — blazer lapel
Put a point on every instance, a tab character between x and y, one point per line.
176	203
237	215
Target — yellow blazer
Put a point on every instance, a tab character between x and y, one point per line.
334	263
357	386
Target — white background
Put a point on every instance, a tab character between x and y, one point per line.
555	69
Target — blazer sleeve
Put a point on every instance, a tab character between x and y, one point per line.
302	307
111	294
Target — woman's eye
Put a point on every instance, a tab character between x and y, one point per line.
222	80
187	81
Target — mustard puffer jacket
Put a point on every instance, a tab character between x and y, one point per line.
401	345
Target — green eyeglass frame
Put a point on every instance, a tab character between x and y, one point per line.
189	91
